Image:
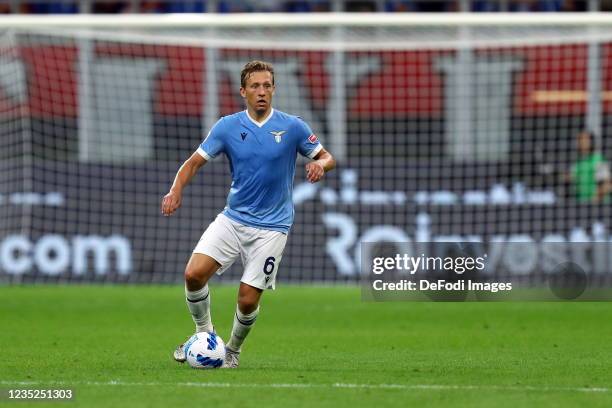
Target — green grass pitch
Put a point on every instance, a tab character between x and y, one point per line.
311	346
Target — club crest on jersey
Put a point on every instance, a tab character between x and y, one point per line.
313	139
278	135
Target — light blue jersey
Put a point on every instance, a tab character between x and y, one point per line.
262	161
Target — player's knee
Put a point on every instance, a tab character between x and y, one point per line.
247	303
194	279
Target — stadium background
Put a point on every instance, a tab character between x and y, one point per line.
92	140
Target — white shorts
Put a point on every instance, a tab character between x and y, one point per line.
260	250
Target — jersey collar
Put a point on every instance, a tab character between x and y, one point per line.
259	124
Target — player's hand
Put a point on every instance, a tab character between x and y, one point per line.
170	203
314	171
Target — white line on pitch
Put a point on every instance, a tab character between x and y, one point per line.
441	387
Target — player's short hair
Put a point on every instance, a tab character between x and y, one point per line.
255	66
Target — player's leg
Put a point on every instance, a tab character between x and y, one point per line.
215	252
199	270
263	256
247	310
197	273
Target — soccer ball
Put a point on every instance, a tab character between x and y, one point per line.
205	350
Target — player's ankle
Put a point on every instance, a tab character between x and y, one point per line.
209	328
232	350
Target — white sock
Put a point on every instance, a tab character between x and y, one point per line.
198	303
241	328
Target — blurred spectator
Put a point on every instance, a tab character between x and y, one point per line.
245	6
605	5
298	6
184	7
264	6
590	175
306	6
360	6
518	5
151	7
233	6
421	6
111	7
5	8
433	6
52	7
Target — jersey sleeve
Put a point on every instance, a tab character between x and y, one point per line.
308	143
213	143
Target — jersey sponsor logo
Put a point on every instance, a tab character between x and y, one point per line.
313	139
278	135
243	135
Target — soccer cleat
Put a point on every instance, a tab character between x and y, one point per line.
179	354
231	358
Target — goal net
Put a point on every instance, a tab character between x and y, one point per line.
445	128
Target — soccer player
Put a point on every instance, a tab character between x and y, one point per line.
261	144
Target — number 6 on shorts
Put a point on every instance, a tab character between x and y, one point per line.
263	259
269	265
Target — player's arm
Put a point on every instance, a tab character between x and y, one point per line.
322	163
603	189
172	201
602	176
